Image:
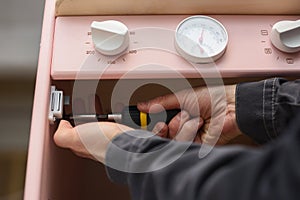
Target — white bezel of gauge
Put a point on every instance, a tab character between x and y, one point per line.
213	45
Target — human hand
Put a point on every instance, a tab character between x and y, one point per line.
88	140
212	110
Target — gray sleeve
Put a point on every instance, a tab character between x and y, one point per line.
232	172
264	108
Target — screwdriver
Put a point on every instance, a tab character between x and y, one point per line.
129	116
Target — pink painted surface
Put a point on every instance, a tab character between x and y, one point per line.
53	173
39	135
249	51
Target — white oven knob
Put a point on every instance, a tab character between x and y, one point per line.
110	37
285	36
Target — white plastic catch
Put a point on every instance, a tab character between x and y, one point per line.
55	105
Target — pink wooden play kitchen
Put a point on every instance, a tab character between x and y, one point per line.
92	45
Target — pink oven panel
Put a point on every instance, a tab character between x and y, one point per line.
53	173
249	51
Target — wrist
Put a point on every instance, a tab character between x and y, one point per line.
230	94
231	108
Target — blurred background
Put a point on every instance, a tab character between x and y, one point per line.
20	31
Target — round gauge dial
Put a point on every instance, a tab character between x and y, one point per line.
201	39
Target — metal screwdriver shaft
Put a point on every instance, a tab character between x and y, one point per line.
130	116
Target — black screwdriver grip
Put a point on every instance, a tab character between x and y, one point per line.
131	116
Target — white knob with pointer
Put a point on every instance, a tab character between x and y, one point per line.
110	37
285	36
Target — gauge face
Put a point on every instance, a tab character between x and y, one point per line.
201	39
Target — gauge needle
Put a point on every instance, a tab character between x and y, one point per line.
201	41
201	37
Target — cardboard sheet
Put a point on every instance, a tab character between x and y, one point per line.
124	7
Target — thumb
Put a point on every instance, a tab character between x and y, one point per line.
160	104
64	134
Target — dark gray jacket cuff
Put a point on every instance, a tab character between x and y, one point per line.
265	108
255	107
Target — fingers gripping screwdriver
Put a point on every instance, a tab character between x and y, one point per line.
129	116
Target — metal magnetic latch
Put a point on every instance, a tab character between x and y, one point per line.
56	105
